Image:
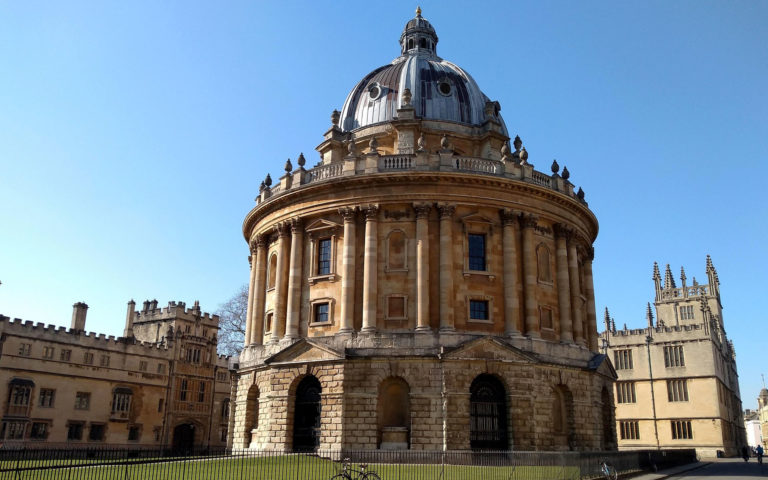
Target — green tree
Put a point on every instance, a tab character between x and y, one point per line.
232	322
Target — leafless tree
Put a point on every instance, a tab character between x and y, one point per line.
232	322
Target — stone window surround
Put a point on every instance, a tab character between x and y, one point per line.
269	317
542	281
542	308
387	267
331	307
405	306
478	225
270	275
484	298
47	427
316	231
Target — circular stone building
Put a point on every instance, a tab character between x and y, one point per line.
423	286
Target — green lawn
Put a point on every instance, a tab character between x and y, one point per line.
287	467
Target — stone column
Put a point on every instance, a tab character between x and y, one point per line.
573	275
512	320
370	269
422	267
294	280
446	268
532	329
346	326
281	284
589	290
260	289
251	294
562	233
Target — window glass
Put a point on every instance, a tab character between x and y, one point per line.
324	256
476	251
478	309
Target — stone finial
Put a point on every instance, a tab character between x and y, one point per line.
669	280
555	166
373	145
523	156
406	97
444	143
262	186
656	273
607	320
566	173
649	315
351	148
683	278
335	116
580	193
288	167
301	160
418	11
421	143
268	181
517	143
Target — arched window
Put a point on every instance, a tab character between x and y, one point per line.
121	401
423	43
396	251
225	410
562	416
306	415
543	263
394	414
251	414
488	414
272	271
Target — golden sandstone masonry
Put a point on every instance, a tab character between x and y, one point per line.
423	287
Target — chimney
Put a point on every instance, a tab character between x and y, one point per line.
128	332
79	311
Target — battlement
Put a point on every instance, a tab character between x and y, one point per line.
668	291
644	331
151	312
59	334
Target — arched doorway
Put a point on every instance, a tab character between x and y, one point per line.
487	414
394	414
184	438
306	417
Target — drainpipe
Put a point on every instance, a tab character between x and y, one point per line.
648	341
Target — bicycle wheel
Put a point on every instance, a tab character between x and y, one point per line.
340	476
371	476
611	473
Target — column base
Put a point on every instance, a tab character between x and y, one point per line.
447	329
368	330
423	329
513	334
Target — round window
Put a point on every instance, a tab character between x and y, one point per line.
374	91
444	87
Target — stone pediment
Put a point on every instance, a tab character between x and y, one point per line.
602	365
304	351
322	224
490	348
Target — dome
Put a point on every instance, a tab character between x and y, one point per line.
440	90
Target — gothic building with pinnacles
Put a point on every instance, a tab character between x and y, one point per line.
422	287
678	386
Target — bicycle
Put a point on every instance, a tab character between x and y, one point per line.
347	472
608	470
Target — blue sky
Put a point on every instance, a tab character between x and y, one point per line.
134	136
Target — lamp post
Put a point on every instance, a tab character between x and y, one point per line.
648	341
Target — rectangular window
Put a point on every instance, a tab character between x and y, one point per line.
82	400
686	312
96	433
625	392
65	355
48	352
121	402
681	430
201	392
160	404
193	355
677	390
142	366
478	309
673	356
222	377
14	430
133	433
20	395
161	368
623	359
46	397
104	361
476	251
629	430
157	433
88	358
324	256
39	431
25	349
321	312
75	431
183	391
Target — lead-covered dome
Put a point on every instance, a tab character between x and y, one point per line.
440	90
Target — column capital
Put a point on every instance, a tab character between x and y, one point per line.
283	229
589	253
508	216
446	210
371	212
422	210
260	241
348	213
563	230
529	220
297	224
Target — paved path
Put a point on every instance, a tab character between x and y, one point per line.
712	469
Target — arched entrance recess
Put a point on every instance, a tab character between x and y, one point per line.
306	417
184	438
488	414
